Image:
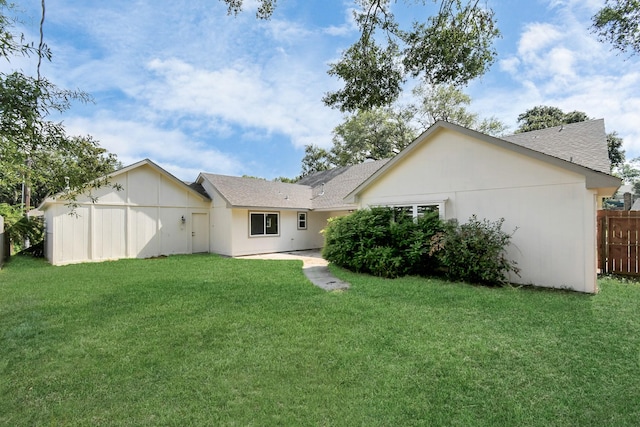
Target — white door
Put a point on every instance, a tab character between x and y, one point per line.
199	233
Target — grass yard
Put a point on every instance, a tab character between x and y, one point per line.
206	340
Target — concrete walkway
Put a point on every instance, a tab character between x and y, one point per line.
314	267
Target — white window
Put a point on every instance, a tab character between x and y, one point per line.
416	211
302	220
264	224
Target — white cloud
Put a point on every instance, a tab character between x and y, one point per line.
561	63
245	95
510	65
536	37
349	26
171	149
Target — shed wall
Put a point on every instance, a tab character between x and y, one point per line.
142	220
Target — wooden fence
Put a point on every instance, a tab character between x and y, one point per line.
619	242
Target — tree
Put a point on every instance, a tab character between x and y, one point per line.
316	159
448	103
35	151
618	23
374	134
542	117
453	46
629	171
614	147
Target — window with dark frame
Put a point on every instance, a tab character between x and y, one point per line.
302	220
264	224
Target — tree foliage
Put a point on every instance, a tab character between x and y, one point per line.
374	134
448	103
542	117
614	148
36	154
316	159
452	46
618	23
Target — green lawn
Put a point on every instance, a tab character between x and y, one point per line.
205	340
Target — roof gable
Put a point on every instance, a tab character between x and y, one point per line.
594	178
142	163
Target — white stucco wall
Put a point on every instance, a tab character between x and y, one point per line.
220	222
144	219
289	239
553	211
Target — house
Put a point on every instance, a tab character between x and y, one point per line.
547	184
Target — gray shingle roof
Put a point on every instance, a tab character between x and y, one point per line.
323	190
338	183
259	193
583	143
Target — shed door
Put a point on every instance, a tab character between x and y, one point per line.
199	232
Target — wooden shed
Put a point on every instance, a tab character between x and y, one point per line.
153	213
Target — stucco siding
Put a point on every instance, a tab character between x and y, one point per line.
221	223
290	238
548	225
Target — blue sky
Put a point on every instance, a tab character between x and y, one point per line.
185	85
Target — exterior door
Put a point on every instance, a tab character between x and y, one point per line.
199	232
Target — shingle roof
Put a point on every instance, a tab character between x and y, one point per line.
323	190
332	186
583	143
260	193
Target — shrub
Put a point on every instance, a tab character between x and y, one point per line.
382	241
475	252
388	243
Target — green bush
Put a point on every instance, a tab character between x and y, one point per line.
475	252
388	243
383	242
